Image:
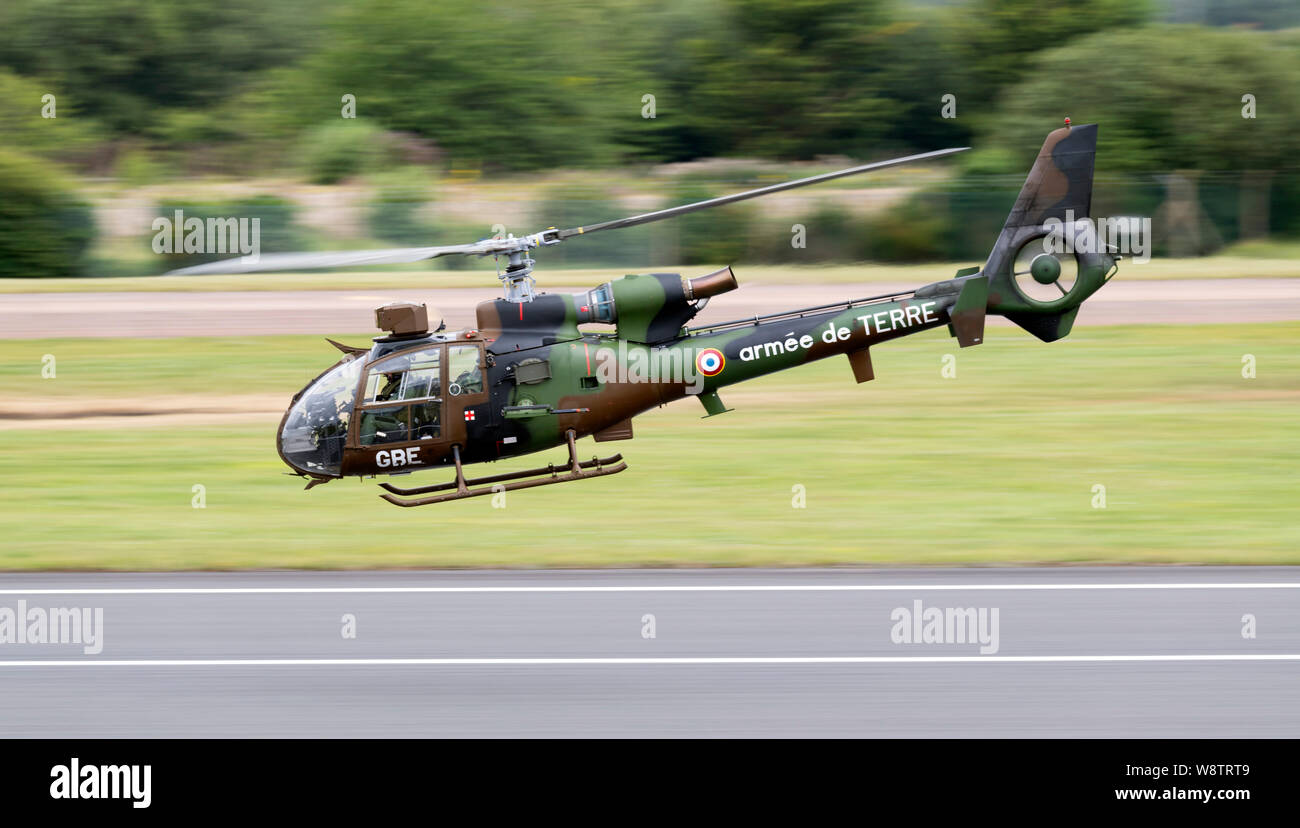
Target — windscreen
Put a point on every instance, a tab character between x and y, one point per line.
317	426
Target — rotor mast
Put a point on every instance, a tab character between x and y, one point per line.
517	278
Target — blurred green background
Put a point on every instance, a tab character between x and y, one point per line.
472	117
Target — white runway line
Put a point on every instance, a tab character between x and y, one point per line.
647	588
526	662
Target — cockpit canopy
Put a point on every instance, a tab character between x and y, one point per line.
316	427
401	401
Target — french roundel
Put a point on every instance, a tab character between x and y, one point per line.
710	362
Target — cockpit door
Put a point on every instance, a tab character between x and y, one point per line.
400	405
466	391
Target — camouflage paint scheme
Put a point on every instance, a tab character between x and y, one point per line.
547	363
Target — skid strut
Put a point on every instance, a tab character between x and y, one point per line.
463	487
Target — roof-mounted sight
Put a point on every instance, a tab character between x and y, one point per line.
403	319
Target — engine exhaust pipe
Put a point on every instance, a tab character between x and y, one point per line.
712	284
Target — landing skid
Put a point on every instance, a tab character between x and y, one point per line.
462	487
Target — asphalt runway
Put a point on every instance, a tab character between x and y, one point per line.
1078	651
236	313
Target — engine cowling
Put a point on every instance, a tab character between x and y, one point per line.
652	307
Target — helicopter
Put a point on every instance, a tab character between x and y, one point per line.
545	370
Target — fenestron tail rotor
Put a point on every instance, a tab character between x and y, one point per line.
517	275
1043	274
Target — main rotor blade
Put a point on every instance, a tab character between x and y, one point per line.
512	245
658	215
339	258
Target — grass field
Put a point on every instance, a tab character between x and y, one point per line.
1278	262
997	465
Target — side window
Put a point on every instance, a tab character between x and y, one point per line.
383	387
403	399
383	425
423	380
426	420
413	376
464	376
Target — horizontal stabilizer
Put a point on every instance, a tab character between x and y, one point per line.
967	315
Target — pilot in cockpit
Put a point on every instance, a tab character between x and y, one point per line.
392	384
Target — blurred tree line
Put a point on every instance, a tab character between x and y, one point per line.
257	87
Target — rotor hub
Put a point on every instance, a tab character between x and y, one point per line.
1045	268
